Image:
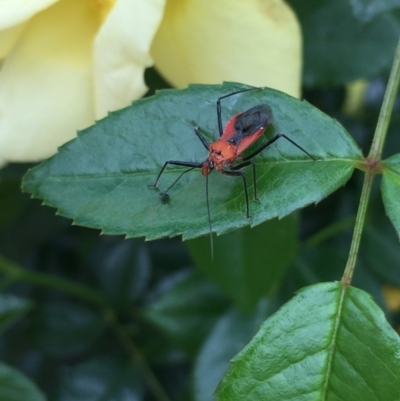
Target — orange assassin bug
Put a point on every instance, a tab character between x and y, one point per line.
240	132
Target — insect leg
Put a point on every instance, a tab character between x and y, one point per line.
270	142
246	195
201	137
209	220
245	164
184	172
175	163
219	105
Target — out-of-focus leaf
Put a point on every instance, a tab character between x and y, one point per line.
123	269
381	253
101	379
101	178
14	386
229	336
327	263
64	328
11	201
328	342
188	311
366	10
11	175
338	48
249	263
12	308
391	190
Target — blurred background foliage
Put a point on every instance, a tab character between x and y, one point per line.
90	317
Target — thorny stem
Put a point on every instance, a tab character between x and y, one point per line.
373	159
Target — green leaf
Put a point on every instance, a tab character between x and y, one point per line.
187	312
101	178
366	10
381	252
249	263
325	263
101	379
14	386
123	269
229	335
11	202
12	308
337	53
63	328
328	343
390	186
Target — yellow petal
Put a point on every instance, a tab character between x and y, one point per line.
391	296
355	95
257	42
47	82
13	12
9	37
121	52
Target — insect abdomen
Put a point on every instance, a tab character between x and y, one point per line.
254	119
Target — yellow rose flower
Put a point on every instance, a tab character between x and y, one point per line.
257	42
66	63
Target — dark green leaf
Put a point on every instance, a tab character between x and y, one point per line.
326	263
338	48
381	252
229	336
101	178
14	386
329	342
249	263
365	10
391	190
11	309
11	201
63	328
103	379
188	311
123	269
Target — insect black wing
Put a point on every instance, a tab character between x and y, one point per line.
250	122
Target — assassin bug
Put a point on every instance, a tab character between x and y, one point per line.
240	132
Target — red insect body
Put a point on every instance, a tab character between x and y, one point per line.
229	130
240	132
222	154
249	140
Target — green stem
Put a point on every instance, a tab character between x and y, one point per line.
17	273
386	109
360	219
374	157
137	357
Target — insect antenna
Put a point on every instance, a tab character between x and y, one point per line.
209	221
